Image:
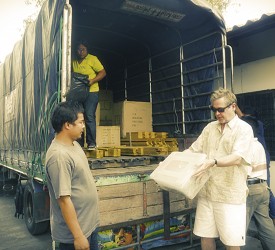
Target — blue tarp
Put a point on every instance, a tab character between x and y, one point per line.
29	81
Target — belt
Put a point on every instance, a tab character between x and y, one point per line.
255	181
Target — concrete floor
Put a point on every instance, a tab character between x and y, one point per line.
13	232
251	244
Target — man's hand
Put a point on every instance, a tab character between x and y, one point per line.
81	243
70	217
100	75
204	167
91	82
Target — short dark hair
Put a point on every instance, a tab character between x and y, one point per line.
252	121
83	42
248	110
65	112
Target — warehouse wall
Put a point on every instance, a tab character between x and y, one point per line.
256	76
253	76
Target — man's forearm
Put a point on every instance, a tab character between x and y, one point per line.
100	75
229	160
69	215
225	161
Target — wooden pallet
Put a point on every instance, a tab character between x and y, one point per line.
170	143
97	153
112	151
145	135
137	142
146	150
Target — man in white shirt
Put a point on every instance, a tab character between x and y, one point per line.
257	204
221	207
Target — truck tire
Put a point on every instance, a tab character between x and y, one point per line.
34	227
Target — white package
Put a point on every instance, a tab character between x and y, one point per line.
176	172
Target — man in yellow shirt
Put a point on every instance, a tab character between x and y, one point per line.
88	64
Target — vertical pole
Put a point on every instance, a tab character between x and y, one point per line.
182	89
224	62
166	214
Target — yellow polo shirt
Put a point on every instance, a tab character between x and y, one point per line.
89	66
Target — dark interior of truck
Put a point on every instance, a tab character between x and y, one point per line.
151	49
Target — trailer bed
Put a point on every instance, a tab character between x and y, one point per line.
127	194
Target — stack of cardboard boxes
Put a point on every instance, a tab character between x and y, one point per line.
125	128
118	119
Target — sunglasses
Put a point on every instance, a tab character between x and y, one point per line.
220	110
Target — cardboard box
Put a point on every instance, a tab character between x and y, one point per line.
176	173
133	116
108	136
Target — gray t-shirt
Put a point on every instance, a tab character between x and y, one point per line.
68	173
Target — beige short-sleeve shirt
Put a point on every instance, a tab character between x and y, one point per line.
226	184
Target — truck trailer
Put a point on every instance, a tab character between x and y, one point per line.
171	54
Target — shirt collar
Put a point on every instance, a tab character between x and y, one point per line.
231	124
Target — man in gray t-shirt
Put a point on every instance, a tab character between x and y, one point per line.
74	201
